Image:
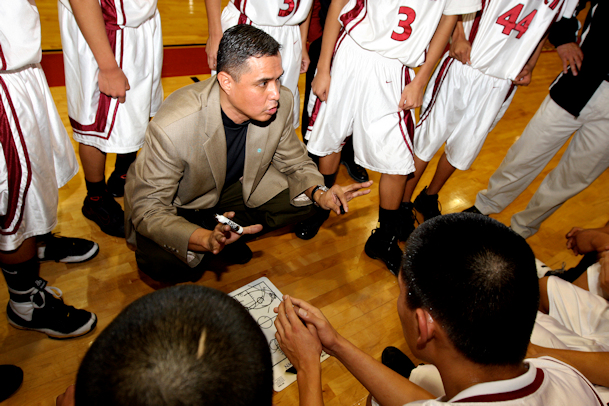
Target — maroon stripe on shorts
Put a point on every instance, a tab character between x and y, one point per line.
13	167
436	89
2	59
406	122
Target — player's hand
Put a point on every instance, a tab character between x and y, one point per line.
66	398
524	77
305	60
412	96
113	83
298	341
571	55
571	242
223	235
211	49
339	196
603	278
328	336
460	49
321	85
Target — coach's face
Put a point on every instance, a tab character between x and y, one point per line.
255	96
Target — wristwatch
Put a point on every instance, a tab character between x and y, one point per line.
315	189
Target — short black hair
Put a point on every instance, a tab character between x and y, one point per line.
184	345
477	278
241	42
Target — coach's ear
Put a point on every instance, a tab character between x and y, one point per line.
426	327
226	81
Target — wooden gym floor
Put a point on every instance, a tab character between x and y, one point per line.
357	294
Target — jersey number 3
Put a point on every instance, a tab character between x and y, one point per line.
405	24
510	21
288	11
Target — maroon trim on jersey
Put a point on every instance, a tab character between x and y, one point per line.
103	105
350	15
506	396
243	19
476	24
13	167
240	4
407	128
436	89
297	5
583	378
2	59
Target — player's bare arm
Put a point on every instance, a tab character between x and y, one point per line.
214	27
572	56
305	61
460	47
111	79
386	385
321	82
525	76
592	364
202	240
412	95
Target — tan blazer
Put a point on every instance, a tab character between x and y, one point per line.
183	164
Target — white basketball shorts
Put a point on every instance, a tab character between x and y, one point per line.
363	100
36	156
98	120
460	107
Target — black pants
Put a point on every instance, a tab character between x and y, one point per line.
164	266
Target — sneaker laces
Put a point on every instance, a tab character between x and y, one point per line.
37	300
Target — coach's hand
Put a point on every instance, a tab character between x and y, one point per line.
214	241
339	196
113	83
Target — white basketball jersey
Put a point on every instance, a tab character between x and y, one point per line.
505	33
399	29
274	12
19	34
124	13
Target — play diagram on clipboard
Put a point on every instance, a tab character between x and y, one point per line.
260	297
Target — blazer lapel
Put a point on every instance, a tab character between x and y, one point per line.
255	150
215	147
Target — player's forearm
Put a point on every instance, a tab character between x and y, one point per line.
214	20
88	15
458	32
309	386
387	386
436	47
304	28
535	56
331	30
592	364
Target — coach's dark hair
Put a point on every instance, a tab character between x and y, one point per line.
240	43
185	345
478	279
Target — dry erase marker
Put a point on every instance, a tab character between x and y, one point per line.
233	226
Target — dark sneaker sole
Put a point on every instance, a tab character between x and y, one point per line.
73	259
55	335
105	228
375	256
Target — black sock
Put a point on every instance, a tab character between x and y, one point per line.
388	220
329	180
22	277
123	162
96	188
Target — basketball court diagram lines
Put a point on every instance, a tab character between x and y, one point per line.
260	298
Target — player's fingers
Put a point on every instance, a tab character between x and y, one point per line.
291	314
279	328
281	316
